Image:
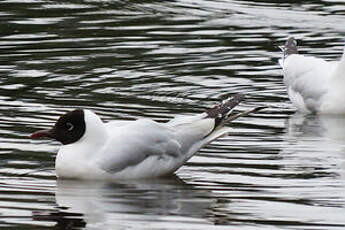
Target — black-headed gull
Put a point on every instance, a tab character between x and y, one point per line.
313	84
133	149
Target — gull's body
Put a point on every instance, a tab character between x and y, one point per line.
313	84
142	148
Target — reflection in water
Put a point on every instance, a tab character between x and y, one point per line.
63	220
317	141
103	204
156	59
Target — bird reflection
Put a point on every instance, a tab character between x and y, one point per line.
317	140
327	126
99	204
63	220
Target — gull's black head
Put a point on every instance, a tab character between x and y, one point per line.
68	129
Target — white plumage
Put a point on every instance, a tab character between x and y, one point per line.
135	149
142	148
313	84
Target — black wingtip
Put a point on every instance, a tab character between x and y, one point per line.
222	111
234	117
238	96
259	108
290	47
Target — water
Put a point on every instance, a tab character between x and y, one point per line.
133	59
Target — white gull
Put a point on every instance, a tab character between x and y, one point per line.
142	148
313	84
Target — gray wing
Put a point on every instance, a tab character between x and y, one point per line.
136	141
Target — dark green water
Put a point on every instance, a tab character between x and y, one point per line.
157	59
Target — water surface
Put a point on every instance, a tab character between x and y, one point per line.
134	59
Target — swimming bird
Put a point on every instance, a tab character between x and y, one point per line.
143	148
313	84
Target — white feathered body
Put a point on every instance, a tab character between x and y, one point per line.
315	85
134	149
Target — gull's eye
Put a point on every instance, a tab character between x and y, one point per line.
69	126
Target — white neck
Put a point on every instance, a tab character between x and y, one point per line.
95	132
341	66
72	160
339	71
95	135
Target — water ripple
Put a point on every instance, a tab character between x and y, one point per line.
133	59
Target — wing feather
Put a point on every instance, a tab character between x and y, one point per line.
137	141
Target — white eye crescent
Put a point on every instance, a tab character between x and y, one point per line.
70	126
